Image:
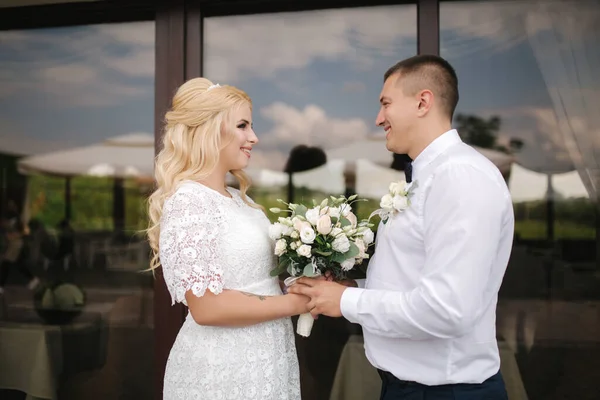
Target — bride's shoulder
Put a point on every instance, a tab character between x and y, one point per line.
188	193
238	194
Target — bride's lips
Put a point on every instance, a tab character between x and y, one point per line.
246	151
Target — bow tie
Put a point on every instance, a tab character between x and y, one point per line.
408	171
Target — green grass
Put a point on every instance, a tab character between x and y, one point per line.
536	229
268	199
92	207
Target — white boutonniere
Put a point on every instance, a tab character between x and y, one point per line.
396	201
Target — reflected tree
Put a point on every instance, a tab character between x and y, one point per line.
302	158
482	132
478	131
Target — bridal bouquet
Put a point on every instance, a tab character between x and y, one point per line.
326	237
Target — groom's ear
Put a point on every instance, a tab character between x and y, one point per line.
425	99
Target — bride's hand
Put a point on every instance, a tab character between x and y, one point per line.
298	303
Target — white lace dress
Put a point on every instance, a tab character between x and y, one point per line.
211	242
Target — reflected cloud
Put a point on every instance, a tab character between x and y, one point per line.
471	27
265	44
310	126
13	141
354	87
81	66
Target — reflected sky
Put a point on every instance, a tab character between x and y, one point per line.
314	76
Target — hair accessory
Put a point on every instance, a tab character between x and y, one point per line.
216	85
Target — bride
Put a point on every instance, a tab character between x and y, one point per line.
212	244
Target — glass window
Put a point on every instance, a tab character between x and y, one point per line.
315	78
529	91
76	162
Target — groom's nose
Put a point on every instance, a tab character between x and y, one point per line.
379	121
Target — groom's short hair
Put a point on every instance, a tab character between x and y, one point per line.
428	72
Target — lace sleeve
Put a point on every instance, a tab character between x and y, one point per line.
190	255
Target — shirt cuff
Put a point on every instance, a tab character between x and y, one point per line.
349	303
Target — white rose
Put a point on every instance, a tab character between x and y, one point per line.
295	222
275	231
348	264
294	245
398	187
299	224
304	251
294	234
335	232
307	235
286	230
341	244
349	230
324	225
346	209
280	247
312	215
285	221
361	248
387	202
400	202
334	212
368	236
352	218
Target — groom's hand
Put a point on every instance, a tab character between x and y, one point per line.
346	282
325	296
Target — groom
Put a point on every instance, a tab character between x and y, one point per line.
428	306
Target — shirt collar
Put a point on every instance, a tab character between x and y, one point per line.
435	148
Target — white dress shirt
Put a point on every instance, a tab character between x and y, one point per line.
428	306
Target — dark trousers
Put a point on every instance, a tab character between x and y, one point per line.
394	389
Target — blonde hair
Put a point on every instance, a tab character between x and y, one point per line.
198	125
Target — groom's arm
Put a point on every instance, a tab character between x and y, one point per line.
463	217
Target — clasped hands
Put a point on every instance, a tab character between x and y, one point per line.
325	294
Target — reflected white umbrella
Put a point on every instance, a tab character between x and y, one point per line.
373	149
104	169
119	157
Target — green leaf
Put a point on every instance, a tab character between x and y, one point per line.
323	253
324	203
308	270
354	196
353	252
277	271
338	257
301	210
281	267
345	221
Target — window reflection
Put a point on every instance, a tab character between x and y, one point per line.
528	92
315	78
76	162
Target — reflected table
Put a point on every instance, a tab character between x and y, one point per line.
357	379
34	355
